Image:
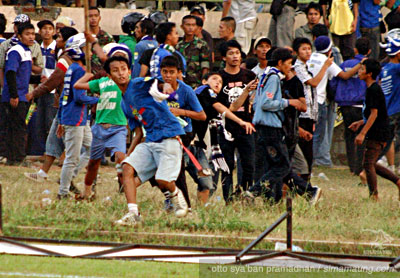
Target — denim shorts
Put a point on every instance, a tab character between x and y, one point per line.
162	160
112	138
204	181
54	145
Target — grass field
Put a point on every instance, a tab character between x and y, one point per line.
10	266
344	214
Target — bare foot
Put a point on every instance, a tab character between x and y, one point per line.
363	177
374	197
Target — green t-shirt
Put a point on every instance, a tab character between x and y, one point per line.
108	109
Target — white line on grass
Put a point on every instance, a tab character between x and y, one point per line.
20	274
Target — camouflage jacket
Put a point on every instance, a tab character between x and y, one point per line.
197	55
103	38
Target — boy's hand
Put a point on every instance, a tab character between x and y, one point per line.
359	139
356	125
304	134
295	103
248	127
167	89
329	61
251	86
29	96
60	131
14	102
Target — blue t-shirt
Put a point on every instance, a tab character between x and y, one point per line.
2	40
369	14
19	60
390	83
159	54
141	109
73	103
145	43
185	98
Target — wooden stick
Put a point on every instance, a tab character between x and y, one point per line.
87	29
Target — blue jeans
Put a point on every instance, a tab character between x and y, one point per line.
323	134
203	182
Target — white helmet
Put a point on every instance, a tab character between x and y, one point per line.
112	48
74	46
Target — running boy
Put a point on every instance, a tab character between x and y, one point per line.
161	154
376	128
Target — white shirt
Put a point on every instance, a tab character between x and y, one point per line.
243	10
314	65
259	71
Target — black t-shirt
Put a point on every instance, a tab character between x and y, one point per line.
375	99
232	88
207	99
292	89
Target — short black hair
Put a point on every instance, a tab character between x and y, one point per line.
363	45
251	62
170	62
94	8
319	30
67	32
230	21
199	21
3	23
226	45
44	22
314	6
189	16
372	66
163	30
279	54
147	26
268	55
113	59
24	26
299	41
209	74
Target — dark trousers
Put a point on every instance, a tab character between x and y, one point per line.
16	131
354	153
307	146
274	152
346	44
244	143
297	184
45	116
372	152
3	131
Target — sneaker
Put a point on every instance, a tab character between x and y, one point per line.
35	177
129	219
168	206
179	202
3	159
74	189
64	197
315	197
383	162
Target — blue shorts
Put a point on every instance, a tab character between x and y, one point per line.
162	160
112	138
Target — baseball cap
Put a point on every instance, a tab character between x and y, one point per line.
43	23
262	39
198	9
323	44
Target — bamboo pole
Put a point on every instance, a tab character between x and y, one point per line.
87	29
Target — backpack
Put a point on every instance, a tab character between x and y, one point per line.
340	18
277	7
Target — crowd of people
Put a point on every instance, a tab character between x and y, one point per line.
265	107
